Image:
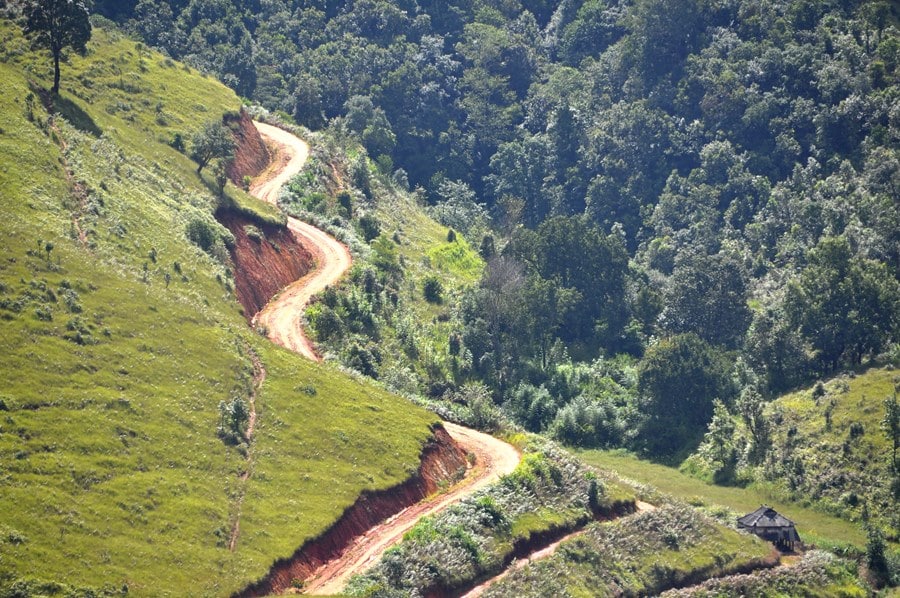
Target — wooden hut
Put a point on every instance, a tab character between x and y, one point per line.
766	523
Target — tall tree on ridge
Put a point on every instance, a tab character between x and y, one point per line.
58	24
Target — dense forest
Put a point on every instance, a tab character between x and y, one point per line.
686	207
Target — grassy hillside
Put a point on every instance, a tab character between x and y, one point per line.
638	556
828	456
812	525
830	449
121	338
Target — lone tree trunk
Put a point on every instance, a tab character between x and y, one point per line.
55	89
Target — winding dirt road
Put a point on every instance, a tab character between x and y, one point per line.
493	458
281	316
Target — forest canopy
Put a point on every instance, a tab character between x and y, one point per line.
709	184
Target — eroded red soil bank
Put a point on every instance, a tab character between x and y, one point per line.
266	259
251	156
441	461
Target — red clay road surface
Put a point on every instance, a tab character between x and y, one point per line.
281	317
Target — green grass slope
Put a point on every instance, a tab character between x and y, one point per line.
120	339
829	447
827	460
640	555
813	525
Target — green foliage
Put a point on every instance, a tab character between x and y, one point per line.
433	290
370	227
718	453
213	141
844	306
645	554
57	25
891	426
680	195
778	446
680	378
234	416
813	525
818	573
707	295
875	555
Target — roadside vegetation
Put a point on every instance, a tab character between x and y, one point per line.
548	495
124	351
818	573
640	555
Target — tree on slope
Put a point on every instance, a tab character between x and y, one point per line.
844	306
678	380
214	140
58	24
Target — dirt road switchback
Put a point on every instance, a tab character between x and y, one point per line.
281	317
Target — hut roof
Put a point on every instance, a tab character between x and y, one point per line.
765	517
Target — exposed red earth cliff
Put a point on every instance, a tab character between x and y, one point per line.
269	258
442	460
264	263
251	156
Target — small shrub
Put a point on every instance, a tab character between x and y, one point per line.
433	289
254	233
177	142
70	298
345	201
234	417
201	233
370	227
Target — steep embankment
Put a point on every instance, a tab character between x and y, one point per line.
251	156
267	257
493	458
442	459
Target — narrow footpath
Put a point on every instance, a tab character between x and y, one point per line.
259	378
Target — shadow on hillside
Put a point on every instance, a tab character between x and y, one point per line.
77	117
